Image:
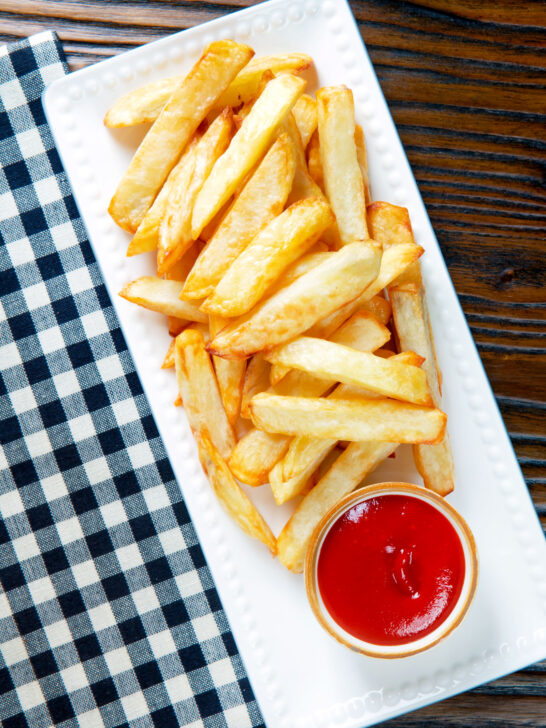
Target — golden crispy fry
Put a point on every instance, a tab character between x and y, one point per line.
161	147
246	148
393	262
230	375
290	475
180	270
255	454
256	380
168	361
378	306
230	494
301	266
314	164
145	103
305	114
342	177
297	307
273	249
261	199
199	391
340	363
362	331
434	462
390	225
162	296
175	230
362	161
303	186
383	420
346	474
176	325
147	236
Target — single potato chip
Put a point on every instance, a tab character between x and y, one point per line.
230	494
294	309
261	199
384	420
162	296
161	147
273	249
343	181
346	474
199	391
246	148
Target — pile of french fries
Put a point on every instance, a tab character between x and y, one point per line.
300	335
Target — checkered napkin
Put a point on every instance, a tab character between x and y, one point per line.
108	612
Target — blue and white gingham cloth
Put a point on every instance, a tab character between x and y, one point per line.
108	612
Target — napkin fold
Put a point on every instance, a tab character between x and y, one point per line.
108	612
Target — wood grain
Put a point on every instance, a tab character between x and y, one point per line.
465	82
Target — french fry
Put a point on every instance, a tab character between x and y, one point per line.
393	263
314	164
176	325
383	420
230	494
175	230
346	474
199	391
168	361
434	462
305	114
303	185
246	148
290	475
261	199
146	237
161	147
378	306
262	262
255	454
297	307
180	270
390	225
256	380
331	361
230	375
145	103
162	296
342	177
362	159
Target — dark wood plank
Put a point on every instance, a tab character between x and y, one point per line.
465	83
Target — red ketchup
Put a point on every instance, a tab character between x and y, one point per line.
391	569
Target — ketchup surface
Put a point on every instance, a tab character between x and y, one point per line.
391	569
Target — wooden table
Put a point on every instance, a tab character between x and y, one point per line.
466	84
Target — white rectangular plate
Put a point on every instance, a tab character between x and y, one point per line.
301	677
